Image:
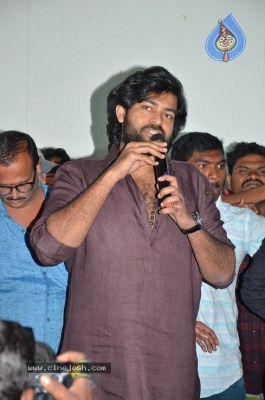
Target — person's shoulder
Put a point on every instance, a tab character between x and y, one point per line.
189	174
84	162
45	188
184	168
83	166
2	208
192	183
228	212
80	173
224	207
235	211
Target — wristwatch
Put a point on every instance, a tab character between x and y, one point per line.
197	218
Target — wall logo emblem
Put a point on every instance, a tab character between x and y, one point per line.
226	41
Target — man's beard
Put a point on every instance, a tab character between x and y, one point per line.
130	134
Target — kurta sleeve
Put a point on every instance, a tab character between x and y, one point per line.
68	184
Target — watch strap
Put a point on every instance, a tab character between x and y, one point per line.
196	227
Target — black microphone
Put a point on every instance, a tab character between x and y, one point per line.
162	167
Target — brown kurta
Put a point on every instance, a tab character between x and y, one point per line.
135	290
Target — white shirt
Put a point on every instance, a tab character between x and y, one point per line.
218	310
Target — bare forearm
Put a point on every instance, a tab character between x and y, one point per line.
71	224
215	259
254	195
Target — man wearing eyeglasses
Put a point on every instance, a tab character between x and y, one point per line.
30	294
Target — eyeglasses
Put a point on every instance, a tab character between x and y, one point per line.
21	188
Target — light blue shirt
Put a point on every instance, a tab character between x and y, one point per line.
218	310
30	294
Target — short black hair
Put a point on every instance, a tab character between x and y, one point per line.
243	149
135	89
184	147
16	350
13	143
50	152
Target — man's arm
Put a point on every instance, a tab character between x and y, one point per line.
251	196
216	259
70	224
253	285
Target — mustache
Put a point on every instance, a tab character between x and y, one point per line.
252	180
215	184
17	199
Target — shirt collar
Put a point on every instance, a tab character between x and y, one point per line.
111	156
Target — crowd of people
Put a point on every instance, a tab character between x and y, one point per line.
161	276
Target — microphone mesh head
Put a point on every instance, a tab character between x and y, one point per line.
158	137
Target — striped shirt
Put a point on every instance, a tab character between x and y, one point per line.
218	310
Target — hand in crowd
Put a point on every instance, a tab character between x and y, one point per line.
174	205
233	199
49	178
251	206
136	155
80	388
205	337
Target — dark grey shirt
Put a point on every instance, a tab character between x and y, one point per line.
135	290
253	285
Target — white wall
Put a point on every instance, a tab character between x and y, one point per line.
59	59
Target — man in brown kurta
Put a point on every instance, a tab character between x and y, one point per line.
136	257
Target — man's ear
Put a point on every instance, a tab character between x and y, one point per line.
228	181
120	113
38	169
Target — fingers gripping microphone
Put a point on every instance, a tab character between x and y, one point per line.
162	167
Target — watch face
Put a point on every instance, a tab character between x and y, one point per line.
197	218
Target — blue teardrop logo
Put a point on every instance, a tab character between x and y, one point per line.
226	41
